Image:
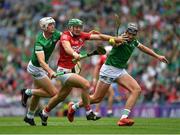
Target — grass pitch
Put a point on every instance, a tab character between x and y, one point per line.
15	125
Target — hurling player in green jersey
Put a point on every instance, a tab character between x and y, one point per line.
114	71
38	67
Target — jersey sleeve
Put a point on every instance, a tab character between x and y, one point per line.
64	37
38	47
136	43
86	35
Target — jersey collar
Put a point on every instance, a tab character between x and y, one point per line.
71	34
44	36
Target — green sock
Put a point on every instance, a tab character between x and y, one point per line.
28	92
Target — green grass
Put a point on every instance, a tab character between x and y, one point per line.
15	125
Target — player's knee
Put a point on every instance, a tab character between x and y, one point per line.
53	93
34	97
97	99
86	85
137	90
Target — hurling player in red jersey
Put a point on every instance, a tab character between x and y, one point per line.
71	42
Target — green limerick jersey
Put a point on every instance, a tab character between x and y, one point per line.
46	45
119	56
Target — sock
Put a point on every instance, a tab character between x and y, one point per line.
109	112
125	113
30	114
28	92
75	106
87	107
88	112
46	111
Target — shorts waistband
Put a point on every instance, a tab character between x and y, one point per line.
65	70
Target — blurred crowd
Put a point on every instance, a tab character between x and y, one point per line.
159	25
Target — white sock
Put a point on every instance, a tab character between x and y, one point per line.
109	111
75	106
88	112
125	113
45	113
28	92
30	114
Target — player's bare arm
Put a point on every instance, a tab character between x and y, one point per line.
119	39
152	53
44	65
68	49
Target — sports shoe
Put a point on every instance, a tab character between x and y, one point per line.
24	98
125	122
97	114
92	116
43	118
71	112
29	121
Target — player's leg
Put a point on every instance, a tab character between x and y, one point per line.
62	94
53	102
69	80
100	91
132	86
79	82
97	109
41	84
29	118
46	89
42	81
59	97
110	95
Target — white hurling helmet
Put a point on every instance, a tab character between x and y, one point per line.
45	21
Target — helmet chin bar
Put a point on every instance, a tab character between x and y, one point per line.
132	31
72	31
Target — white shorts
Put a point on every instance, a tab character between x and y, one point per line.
108	74
65	77
36	72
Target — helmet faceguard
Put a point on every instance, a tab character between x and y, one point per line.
132	29
45	21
